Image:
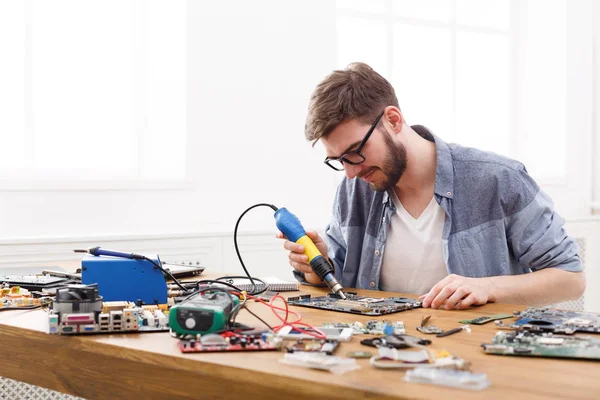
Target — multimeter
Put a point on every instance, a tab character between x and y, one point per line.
204	313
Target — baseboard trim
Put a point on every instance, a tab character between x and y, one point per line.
206	248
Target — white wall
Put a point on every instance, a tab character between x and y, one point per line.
252	67
589	230
596	137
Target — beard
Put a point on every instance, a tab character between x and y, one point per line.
394	165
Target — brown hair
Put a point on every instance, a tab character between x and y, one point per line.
357	92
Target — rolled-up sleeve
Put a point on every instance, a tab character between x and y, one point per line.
536	233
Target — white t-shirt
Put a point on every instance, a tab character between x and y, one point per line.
412	257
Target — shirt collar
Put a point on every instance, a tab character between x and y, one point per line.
444	172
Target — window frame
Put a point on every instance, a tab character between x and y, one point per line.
40	179
579	169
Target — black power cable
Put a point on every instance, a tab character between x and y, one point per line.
254	291
159	266
223	280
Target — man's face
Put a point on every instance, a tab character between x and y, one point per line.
385	160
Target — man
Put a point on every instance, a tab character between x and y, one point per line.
414	214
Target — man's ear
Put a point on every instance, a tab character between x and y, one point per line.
394	117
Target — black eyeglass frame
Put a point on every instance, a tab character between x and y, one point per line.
343	158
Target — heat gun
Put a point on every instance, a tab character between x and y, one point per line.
291	227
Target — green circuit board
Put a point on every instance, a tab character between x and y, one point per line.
536	344
356	304
555	321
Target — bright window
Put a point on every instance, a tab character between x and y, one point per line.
463	68
92	90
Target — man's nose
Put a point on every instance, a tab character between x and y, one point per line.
352	170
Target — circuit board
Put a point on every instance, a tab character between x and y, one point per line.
313	346
34	282
371	327
555	321
18	298
116	317
538	344
356	304
227	341
485	319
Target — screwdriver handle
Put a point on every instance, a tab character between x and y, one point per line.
450	332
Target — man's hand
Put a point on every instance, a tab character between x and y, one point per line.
455	291
299	260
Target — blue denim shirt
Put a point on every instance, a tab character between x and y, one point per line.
498	221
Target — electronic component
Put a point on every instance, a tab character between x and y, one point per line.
334	364
18	298
228	341
132	319
371	327
453	331
356	304
291	227
34	282
359	354
554	320
75	299
75	277
396	341
289	332
428	329
125	278
405	356
392	358
266	296
539	344
183	270
485	319
448	377
321	346
205	312
78	309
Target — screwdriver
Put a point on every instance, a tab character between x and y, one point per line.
453	331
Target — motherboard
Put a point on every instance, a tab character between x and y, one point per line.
116	316
356	304
79	309
229	341
555	321
539	344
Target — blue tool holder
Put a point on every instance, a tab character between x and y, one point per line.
122	279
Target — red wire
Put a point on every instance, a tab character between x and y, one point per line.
294	324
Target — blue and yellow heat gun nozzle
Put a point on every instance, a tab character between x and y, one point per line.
291	227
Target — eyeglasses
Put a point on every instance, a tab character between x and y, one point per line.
354	157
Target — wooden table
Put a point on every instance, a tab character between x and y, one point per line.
145	366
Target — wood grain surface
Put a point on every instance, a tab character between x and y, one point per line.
150	365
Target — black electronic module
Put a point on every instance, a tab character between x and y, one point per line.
555	321
356	304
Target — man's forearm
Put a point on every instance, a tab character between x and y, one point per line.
539	288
